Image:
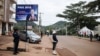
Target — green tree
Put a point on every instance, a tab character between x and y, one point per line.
76	13
93	6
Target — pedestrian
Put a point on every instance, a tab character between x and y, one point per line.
16	41
97	36
55	41
47	32
91	36
41	34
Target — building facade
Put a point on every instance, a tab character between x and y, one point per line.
1	14
7	7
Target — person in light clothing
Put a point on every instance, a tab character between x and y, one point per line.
55	41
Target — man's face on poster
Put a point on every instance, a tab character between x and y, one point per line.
32	11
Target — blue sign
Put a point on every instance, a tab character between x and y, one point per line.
27	12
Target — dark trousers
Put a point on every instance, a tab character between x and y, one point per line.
54	45
91	38
16	47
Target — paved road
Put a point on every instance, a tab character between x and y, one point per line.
80	47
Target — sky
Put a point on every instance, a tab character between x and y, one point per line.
50	8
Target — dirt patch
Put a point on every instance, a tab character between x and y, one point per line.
1	44
65	52
1	55
3	49
48	49
19	49
5	40
37	47
37	52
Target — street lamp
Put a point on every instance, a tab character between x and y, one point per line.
66	28
67	25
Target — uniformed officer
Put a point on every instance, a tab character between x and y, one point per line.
16	41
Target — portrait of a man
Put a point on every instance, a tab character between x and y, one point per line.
31	16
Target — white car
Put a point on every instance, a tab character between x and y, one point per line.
31	36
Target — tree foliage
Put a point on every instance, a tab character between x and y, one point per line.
77	14
93	6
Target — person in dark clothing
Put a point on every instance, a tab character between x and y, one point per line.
55	41
97	36
16	41
91	36
41	34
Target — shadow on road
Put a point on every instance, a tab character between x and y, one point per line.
19	49
11	49
65	52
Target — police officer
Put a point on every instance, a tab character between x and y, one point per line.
16	41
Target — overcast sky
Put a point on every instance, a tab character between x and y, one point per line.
50	8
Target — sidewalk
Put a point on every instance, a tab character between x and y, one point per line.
42	49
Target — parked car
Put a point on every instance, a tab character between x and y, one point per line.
30	35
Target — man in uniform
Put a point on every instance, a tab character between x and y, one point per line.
16	41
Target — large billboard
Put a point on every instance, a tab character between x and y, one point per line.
27	12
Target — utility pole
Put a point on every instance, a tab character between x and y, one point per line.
40	22
66	28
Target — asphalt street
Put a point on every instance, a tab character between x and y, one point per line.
79	46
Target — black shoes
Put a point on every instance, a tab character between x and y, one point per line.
16	53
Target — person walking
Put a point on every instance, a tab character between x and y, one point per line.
41	34
16	41
91	36
55	41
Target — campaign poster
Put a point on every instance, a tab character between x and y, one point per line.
27	12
